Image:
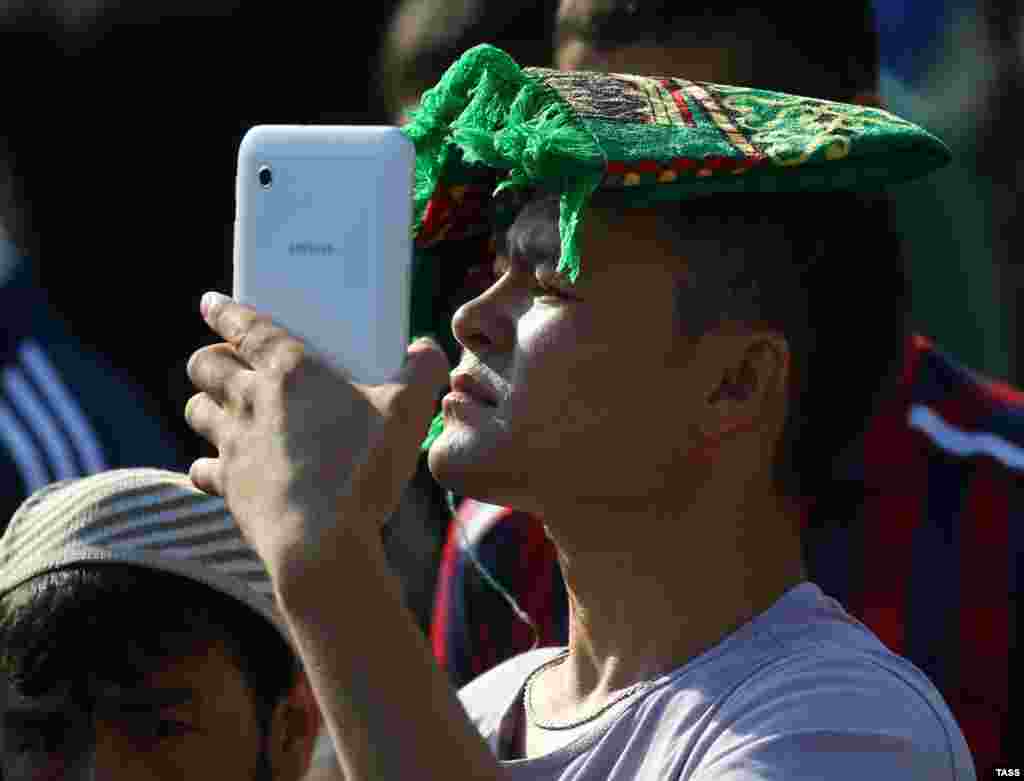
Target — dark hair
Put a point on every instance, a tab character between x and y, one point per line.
780	45
119	623
426	36
823	269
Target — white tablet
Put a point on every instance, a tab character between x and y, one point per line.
323	242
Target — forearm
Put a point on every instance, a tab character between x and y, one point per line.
390	710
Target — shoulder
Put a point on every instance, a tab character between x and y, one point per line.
488	695
838	714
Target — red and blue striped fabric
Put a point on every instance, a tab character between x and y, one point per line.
929	555
473	627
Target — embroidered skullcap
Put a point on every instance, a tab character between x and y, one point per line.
149	518
489	125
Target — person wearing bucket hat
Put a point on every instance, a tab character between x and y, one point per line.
697	649
140	639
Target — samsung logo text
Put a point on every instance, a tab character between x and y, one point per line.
312	248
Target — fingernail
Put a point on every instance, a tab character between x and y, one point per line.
209	301
427	338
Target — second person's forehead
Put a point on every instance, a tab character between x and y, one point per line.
582	10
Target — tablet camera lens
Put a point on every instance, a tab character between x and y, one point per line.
265	176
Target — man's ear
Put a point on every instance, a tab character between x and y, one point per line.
293	732
751	384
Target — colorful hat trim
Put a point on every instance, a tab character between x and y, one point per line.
489	125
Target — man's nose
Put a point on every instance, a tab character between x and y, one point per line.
486	323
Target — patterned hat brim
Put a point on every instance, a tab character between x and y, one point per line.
489	125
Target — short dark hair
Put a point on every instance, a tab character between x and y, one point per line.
826	271
834	61
120	623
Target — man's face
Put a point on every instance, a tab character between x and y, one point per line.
192	719
587	390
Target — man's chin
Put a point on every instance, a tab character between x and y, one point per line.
464	461
451	459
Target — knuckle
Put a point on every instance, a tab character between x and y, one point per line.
288	357
291	370
229	322
228	448
256	337
236	317
239	389
269	392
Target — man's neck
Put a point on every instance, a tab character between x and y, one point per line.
663	588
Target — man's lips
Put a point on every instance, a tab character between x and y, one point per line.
478	391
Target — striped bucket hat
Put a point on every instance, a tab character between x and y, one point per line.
150	518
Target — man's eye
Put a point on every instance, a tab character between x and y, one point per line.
542	291
550	285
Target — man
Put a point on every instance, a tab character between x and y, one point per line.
141	641
935	477
663	336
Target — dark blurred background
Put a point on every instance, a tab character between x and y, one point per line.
947	65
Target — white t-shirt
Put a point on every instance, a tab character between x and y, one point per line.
802	691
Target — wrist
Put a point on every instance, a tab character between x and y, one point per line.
311	578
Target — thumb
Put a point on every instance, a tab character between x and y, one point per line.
407	404
426	365
417	383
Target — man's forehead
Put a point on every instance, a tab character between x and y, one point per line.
168	681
